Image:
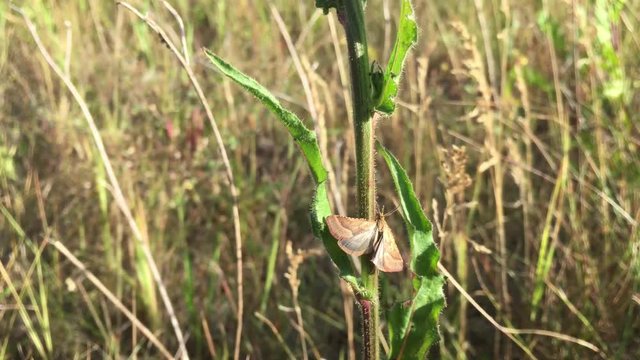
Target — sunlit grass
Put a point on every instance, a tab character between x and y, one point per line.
551	140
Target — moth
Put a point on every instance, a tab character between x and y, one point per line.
361	236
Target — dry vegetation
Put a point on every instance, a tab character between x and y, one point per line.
519	123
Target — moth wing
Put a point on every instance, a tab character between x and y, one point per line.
387	257
355	236
344	228
359	244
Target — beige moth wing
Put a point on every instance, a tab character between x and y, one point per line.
355	236
387	257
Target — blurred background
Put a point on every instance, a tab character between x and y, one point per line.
517	121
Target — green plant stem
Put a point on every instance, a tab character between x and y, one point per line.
351	13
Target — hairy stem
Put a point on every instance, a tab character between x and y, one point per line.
351	14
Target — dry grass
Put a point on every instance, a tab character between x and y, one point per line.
534	106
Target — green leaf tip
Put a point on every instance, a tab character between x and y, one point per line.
413	326
326	5
304	137
406	38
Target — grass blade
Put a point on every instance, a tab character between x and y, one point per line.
271	260
22	310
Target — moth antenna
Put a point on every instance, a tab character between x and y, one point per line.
392	211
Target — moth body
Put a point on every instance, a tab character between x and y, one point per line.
362	236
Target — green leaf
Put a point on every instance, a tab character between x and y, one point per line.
308	143
406	38
424	252
319	212
413	326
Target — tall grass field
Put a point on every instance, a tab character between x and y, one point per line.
172	173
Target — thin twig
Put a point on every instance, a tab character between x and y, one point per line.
117	191
296	62
347	304
67	52
225	160
343	169
208	337
295	259
183	37
275	332
511	331
314	348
